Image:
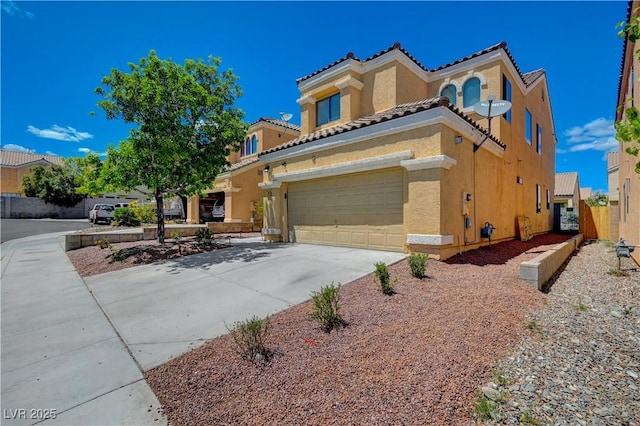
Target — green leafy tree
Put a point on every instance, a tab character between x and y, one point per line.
597	199
185	126
628	129
87	172
53	184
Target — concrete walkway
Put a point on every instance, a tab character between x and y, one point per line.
60	354
80	349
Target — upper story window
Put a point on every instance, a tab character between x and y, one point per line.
527	126
506	95
250	146
328	109
471	92
538	139
450	92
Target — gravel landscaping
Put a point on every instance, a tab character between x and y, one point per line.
417	357
578	362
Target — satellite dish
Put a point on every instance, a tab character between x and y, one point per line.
492	107
286	116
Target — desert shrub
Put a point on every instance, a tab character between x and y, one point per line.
125	216
145	213
250	337
326	307
118	255
417	263
176	235
204	235
103	243
383	278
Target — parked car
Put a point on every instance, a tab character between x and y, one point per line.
119	205
101	212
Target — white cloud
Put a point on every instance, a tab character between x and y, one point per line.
597	135
60	133
14	147
84	150
9	6
50	153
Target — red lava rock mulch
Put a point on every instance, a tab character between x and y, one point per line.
415	358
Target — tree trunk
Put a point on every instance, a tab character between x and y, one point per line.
160	215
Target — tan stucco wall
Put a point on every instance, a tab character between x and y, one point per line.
11	182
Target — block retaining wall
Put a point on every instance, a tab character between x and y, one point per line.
540	269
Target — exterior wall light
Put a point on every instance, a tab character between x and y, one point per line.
458	139
267	168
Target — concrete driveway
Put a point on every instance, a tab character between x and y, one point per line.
162	311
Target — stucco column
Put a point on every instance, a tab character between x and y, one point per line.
193	209
231	205
272	211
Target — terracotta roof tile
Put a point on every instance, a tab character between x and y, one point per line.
373	119
242	163
530	77
397	46
17	158
565	184
277	122
349	55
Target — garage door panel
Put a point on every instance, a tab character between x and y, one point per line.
359	210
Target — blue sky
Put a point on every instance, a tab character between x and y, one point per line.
55	53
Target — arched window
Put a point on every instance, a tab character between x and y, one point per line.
450	92
471	92
254	144
245	147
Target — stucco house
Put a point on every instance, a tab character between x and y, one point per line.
613	168
628	179
393	156
14	165
566	202
235	193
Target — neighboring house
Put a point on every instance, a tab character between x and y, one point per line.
585	194
613	175
387	156
628	179
566	202
14	165
235	193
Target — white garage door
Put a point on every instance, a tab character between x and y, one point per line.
356	210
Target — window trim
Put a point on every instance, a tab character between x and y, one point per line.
538	198
321	102
506	95
453	101
538	138
528	126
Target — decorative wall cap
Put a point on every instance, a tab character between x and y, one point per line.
271	231
349	81
429	240
435	162
270	185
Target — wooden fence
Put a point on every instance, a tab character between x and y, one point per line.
595	222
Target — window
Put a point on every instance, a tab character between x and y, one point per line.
548	200
538	199
471	92
450	92
539	139
328	110
250	146
254	144
506	95
527	126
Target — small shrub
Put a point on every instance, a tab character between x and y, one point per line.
503	380
204	235
417	263
103	243
581	307
250	337
145	213
484	408
618	273
176	235
383	278
118	255
528	419
534	326
125	216
326	307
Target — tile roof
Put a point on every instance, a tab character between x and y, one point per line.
370	120
532	76
624	51
17	158
242	163
565	184
349	55
277	122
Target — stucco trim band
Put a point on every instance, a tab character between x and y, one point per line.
374	163
349	81
429	240
271	231
435	162
270	185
